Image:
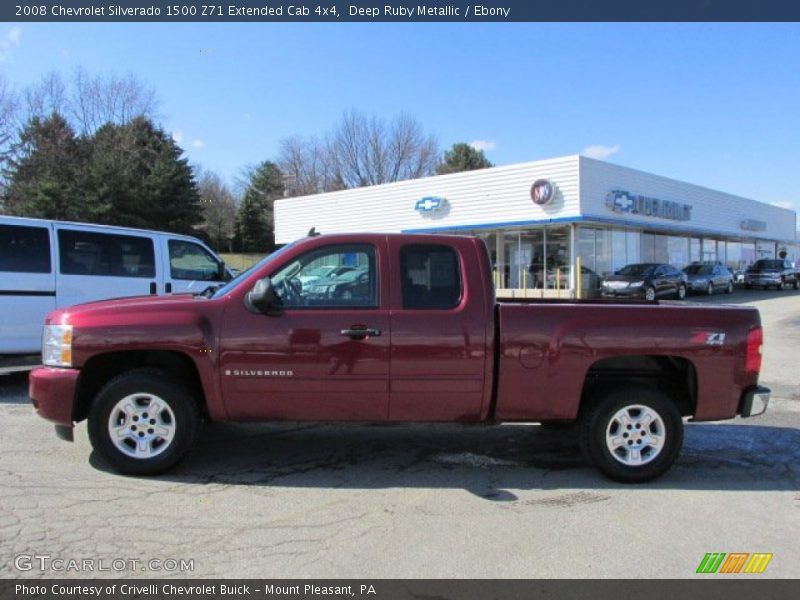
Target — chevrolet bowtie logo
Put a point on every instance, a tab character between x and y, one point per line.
623	202
429	204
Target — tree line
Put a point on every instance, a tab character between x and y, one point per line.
91	150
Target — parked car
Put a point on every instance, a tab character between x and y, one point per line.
707	278
771	272
427	343
645	280
350	284
48	264
324	272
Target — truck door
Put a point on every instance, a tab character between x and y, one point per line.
96	265
438	336
325	356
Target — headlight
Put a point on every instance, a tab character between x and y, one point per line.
57	346
636	284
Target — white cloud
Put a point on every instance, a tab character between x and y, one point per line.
177	136
9	41
198	143
599	151
485	145
784	204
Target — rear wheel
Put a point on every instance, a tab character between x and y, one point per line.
143	423
632	435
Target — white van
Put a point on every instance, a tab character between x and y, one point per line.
48	264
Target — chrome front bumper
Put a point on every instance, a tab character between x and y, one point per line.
754	401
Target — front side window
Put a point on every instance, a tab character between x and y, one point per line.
105	254
342	276
430	277
24	249
190	261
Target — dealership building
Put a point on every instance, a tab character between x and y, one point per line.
548	220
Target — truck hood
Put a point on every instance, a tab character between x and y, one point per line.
121	306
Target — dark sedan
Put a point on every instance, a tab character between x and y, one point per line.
704	278
645	280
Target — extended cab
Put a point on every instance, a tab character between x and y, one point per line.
769	272
411	333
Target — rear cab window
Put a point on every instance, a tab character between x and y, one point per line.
430	277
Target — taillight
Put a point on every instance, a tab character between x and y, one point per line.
752	362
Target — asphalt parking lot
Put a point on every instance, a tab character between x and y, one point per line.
323	501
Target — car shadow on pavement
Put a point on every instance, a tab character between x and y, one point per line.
490	462
14	388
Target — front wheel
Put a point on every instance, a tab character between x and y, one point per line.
650	294
710	289
632	435
143	423
729	289
681	294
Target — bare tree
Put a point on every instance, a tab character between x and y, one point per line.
307	166
360	151
8	127
219	210
370	151
89	102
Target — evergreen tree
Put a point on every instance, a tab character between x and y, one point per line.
136	177
44	171
462	157
255	220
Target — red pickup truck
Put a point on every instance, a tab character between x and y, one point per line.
398	328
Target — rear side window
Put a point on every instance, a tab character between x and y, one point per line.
24	249
188	260
430	276
105	254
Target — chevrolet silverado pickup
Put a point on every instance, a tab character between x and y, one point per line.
409	332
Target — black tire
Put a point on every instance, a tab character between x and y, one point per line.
600	421
681	293
650	293
710	289
796	284
142	388
747	286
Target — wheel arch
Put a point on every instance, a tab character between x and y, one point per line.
676	376
100	369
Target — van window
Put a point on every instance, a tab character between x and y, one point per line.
430	276
105	254
191	261
24	249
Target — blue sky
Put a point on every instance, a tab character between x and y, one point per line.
713	104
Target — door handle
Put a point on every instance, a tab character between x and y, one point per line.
361	332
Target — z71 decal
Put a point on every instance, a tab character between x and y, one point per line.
709	338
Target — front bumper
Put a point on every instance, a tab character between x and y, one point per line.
754	401
52	392
762	280
637	292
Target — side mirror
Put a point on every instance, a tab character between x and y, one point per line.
262	299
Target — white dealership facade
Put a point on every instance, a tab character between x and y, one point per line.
543	219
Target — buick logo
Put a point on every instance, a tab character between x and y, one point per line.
542	192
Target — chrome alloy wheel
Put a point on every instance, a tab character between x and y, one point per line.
141	426
635	435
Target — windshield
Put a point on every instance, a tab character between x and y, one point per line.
642	269
233	283
768	264
698	270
